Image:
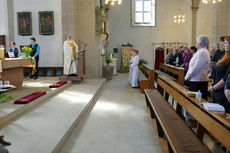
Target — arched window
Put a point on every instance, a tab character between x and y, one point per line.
143	13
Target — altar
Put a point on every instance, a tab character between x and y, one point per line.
12	70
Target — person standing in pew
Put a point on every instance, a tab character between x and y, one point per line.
186	58
216	53
221	73
197	74
179	62
174	58
134	69
169	55
222	42
35	53
227	88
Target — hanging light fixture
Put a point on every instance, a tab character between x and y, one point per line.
112	2
179	18
213	1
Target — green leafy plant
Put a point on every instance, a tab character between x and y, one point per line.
108	60
142	61
5	98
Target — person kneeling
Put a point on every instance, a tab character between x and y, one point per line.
134	69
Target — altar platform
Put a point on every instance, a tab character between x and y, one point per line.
46	124
9	111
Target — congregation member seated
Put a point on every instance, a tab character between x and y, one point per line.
13	51
221	73
169	55
186	58
35	53
197	74
174	58
216	52
134	69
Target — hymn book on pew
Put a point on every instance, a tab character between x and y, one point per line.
213	107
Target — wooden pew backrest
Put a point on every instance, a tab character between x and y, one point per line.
206	120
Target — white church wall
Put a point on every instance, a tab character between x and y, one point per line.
3	18
51	46
165	31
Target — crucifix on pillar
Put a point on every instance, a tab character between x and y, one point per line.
195	7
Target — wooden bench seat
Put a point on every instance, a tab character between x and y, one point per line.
180	138
143	81
158	72
141	76
146	77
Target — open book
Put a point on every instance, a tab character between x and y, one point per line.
213	107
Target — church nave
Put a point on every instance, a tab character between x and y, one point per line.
118	123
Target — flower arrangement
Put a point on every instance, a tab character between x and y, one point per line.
27	50
108	60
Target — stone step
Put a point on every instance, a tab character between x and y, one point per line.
9	111
44	129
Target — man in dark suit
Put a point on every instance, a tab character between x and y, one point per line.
217	52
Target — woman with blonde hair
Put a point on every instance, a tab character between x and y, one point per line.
220	76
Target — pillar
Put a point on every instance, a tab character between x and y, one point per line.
195	7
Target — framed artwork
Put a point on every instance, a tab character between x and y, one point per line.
125	57
46	23
24	23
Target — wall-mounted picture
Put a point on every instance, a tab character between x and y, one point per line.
46	23
24	23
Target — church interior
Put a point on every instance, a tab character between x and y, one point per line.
114	76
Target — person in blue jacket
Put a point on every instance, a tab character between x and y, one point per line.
14	50
35	53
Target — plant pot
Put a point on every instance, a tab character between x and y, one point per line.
108	72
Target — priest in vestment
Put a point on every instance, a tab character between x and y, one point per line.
70	57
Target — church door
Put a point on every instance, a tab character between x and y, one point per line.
159	57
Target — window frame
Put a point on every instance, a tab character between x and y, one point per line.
142	24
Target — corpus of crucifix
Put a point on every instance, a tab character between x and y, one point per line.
114	76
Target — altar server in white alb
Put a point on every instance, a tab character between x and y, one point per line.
130	62
70	57
134	69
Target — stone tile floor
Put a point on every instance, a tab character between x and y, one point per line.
118	123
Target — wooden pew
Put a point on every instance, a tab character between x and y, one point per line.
146	77
179	137
209	122
176	72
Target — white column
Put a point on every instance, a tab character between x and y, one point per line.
195	7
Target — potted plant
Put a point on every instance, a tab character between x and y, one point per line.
142	61
108	70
